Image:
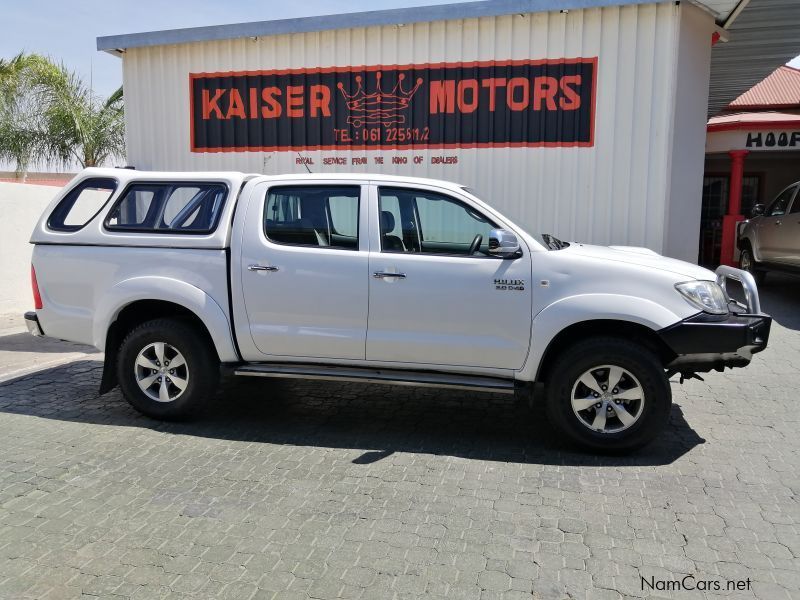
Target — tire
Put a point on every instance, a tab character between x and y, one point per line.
638	366
178	393
748	263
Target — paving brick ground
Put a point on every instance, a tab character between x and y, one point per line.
298	490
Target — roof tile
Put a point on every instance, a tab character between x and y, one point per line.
781	88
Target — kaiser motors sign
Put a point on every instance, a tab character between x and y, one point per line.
519	103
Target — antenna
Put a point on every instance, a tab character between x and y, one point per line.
305	164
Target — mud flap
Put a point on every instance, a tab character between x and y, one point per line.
109	379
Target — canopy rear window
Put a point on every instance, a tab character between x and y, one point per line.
172	207
81	204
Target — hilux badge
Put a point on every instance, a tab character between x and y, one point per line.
509	284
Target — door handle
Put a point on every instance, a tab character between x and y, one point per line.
384	274
261	268
778	222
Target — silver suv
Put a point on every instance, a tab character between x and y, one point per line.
770	239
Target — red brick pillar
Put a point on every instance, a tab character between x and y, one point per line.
734	215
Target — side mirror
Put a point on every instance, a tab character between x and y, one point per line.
757	211
503	244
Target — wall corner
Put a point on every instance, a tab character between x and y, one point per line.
687	146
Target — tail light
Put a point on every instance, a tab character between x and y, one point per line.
37	297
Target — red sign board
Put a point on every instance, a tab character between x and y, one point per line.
518	103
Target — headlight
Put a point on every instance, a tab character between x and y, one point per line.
705	295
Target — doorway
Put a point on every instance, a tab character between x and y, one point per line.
716	189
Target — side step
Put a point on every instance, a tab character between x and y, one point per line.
387	376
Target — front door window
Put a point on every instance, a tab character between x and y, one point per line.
430	223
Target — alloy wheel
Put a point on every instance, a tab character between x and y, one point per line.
607	399
746	261
161	372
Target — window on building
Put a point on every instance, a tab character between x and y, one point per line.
751	190
81	204
314	215
168	208
714	205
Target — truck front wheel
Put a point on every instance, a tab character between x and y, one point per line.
749	264
609	394
167	369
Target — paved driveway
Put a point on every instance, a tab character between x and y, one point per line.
296	490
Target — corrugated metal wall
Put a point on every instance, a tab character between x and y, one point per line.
614	192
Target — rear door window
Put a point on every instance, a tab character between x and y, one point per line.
324	216
168	208
344	216
81	204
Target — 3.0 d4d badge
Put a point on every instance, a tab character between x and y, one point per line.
509	284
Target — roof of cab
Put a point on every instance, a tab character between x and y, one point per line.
93	232
130	174
133	174
377	177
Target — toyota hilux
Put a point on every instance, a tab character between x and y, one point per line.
178	277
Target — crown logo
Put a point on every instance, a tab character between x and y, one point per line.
379	107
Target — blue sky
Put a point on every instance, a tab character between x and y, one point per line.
67	30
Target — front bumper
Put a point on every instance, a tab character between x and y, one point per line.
708	342
705	342
32	321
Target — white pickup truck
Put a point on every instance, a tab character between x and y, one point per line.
373	278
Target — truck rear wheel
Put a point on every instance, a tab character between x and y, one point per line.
609	394
167	369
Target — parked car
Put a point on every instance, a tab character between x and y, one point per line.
770	239
373	278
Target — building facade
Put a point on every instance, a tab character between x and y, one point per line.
585	121
752	154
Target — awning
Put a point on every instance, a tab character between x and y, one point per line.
724	11
754	121
763	36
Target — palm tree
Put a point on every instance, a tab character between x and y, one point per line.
18	114
48	115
